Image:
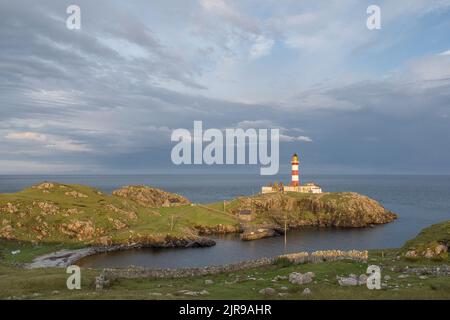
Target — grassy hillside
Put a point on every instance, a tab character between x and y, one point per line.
431	243
51	212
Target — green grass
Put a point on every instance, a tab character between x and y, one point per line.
51	284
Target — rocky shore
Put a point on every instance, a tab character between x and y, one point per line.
64	258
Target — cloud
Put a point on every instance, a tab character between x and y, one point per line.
261	47
287	138
49	141
108	96
286	134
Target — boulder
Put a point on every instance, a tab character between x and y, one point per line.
267	291
298	278
347	281
306	292
362	280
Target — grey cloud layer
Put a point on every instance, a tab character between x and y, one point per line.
105	98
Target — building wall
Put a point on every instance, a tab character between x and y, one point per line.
303	189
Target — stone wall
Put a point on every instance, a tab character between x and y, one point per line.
296	258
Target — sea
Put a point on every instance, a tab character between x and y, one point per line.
419	201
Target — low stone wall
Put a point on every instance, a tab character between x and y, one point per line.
131	273
296	258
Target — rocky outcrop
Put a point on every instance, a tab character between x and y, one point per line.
433	251
218	229
258	233
326	210
81	230
150	197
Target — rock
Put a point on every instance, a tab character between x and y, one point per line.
128	214
208	282
387	278
362	280
14	252
278	278
423	277
150	197
347	281
192	293
298	278
81	230
101	282
403	276
284	288
44	186
283	294
7	232
306	292
260	233
267	291
47	208
296	258
75	194
433	250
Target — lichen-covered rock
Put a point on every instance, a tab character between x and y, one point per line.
47	208
129	214
150	197
75	194
9	208
81	230
44	186
6	231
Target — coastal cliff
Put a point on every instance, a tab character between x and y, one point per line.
59	213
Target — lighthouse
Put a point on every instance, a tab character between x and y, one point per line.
294	162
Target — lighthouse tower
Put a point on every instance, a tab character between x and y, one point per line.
295	181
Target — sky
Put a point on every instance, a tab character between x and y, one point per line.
105	99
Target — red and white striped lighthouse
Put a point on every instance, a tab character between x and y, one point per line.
295	181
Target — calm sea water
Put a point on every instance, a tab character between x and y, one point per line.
418	200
